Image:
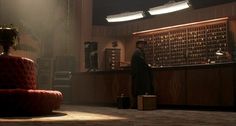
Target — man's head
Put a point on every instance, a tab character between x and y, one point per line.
141	44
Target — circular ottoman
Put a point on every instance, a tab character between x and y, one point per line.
28	102
18	93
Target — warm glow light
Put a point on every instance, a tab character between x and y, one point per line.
169	7
125	16
5	28
69	116
219	52
176	26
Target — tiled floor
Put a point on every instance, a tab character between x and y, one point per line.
109	116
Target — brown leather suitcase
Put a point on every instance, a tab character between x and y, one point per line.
147	102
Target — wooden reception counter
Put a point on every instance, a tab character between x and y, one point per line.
194	85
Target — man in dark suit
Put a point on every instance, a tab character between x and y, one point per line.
141	73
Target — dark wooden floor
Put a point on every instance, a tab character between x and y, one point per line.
111	116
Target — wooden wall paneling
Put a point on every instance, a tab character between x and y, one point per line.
227	86
124	83
83	91
115	87
110	88
99	88
203	86
207	85
104	88
170	86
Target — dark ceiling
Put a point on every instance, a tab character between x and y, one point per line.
102	8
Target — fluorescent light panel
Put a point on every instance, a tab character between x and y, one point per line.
125	16
169	7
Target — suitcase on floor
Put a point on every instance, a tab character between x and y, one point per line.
147	102
123	102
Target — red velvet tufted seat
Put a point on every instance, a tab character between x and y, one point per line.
28	102
17	72
18	94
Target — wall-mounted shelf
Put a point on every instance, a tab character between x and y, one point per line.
186	44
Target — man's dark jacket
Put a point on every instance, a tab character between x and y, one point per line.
141	74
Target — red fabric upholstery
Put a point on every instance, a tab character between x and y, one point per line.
28	102
17	89
17	72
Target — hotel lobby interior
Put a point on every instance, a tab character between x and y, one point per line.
68	62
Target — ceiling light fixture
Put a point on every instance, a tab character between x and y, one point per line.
128	16
169	7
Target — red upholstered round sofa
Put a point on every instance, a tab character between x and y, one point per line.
18	93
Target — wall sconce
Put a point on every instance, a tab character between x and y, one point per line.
169	7
128	16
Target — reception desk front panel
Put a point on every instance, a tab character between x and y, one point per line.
202	85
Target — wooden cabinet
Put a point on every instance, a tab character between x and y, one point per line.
112	58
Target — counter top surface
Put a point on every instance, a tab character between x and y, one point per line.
168	67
